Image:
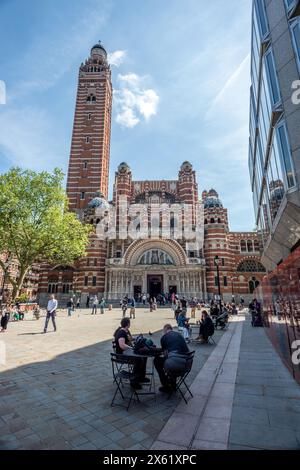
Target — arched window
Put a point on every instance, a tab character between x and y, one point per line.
52	285
205	221
253	284
219	221
212	220
91	98
243	245
156	257
256	245
250	266
249	246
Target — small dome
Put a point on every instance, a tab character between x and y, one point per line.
186	166
98	48
98	201
123	167
211	202
212	193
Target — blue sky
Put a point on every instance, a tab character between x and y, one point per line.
181	81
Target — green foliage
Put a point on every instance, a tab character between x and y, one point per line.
35	225
22	298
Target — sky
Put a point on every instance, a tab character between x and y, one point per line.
180	72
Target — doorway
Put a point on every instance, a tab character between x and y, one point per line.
155	285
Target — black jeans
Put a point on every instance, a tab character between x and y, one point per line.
139	368
204	332
51	315
159	366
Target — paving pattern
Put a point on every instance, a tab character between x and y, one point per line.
244	398
56	389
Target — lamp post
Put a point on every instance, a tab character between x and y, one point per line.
232	290
217	263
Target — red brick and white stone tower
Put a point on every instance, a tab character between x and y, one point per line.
90	147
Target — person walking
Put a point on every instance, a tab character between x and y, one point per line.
70	307
5	317
95	305
124	305
144	298
51	313
132	308
87	305
102	306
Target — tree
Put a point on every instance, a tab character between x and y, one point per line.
35	224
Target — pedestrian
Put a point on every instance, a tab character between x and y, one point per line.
5	317
87	305
102	306
124	305
78	302
70	307
144	298
95	305
193	308
51	312
132	308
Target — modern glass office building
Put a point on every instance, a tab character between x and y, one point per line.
274	152
274	144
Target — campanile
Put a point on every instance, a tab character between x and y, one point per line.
90	148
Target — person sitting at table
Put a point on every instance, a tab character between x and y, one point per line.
124	345
206	327
171	341
183	325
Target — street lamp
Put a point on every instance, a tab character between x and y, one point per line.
217	263
232	290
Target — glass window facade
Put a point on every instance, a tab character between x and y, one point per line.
270	160
289	4
261	13
295	27
285	155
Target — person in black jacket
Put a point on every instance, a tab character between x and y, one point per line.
171	341
206	327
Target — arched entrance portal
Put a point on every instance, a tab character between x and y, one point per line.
155	283
154	267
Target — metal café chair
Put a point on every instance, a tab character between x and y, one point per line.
178	379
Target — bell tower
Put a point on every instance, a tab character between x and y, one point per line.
90	148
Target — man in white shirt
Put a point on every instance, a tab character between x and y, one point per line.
51	312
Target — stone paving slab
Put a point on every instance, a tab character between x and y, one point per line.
210	422
266	410
244	399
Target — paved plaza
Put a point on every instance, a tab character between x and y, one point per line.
56	389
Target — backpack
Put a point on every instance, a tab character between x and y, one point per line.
144	346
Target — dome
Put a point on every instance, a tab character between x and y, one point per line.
98	48
123	167
212	193
211	202
186	166
98	201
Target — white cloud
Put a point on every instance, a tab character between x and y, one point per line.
117	58
134	101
